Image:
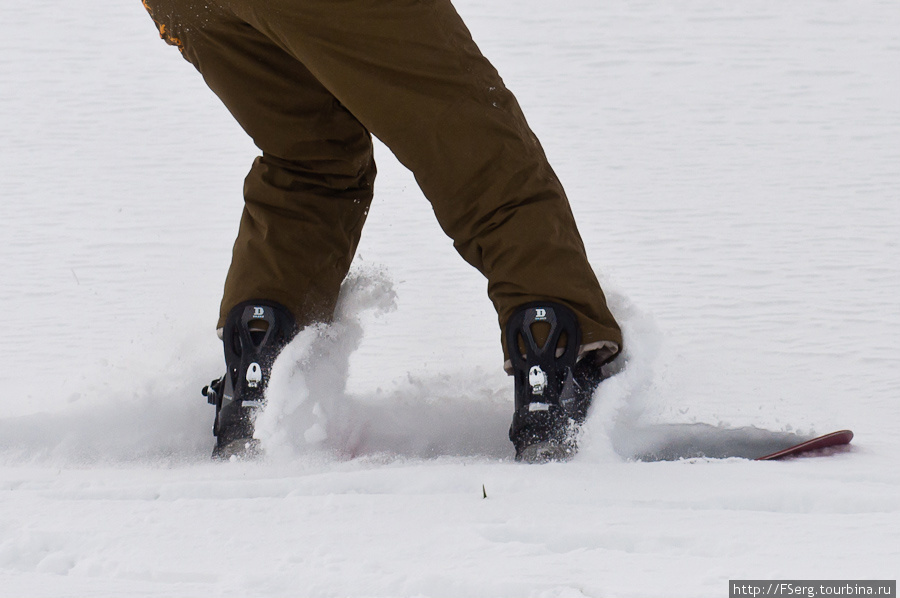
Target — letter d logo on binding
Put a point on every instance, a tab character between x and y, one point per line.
259	312
540	314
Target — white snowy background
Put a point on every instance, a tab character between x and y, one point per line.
735	171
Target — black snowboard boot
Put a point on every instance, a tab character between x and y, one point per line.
255	332
553	386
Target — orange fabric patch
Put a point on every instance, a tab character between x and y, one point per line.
163	32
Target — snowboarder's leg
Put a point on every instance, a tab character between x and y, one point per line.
307	196
411	74
306	199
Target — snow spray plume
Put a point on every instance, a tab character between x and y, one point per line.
617	426
308	408
148	411
306	397
621	400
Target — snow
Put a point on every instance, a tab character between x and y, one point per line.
734	171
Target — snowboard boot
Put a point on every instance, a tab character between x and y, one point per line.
553	386
255	332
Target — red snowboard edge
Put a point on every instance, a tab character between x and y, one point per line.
819	442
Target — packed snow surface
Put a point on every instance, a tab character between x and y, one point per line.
735	172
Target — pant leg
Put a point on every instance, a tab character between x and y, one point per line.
410	72
307	196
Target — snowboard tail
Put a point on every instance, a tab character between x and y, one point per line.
838	438
671	442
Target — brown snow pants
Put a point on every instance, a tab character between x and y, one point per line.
309	80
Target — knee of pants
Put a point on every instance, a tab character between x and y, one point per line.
350	178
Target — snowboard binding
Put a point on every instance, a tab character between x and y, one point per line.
553	387
255	333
